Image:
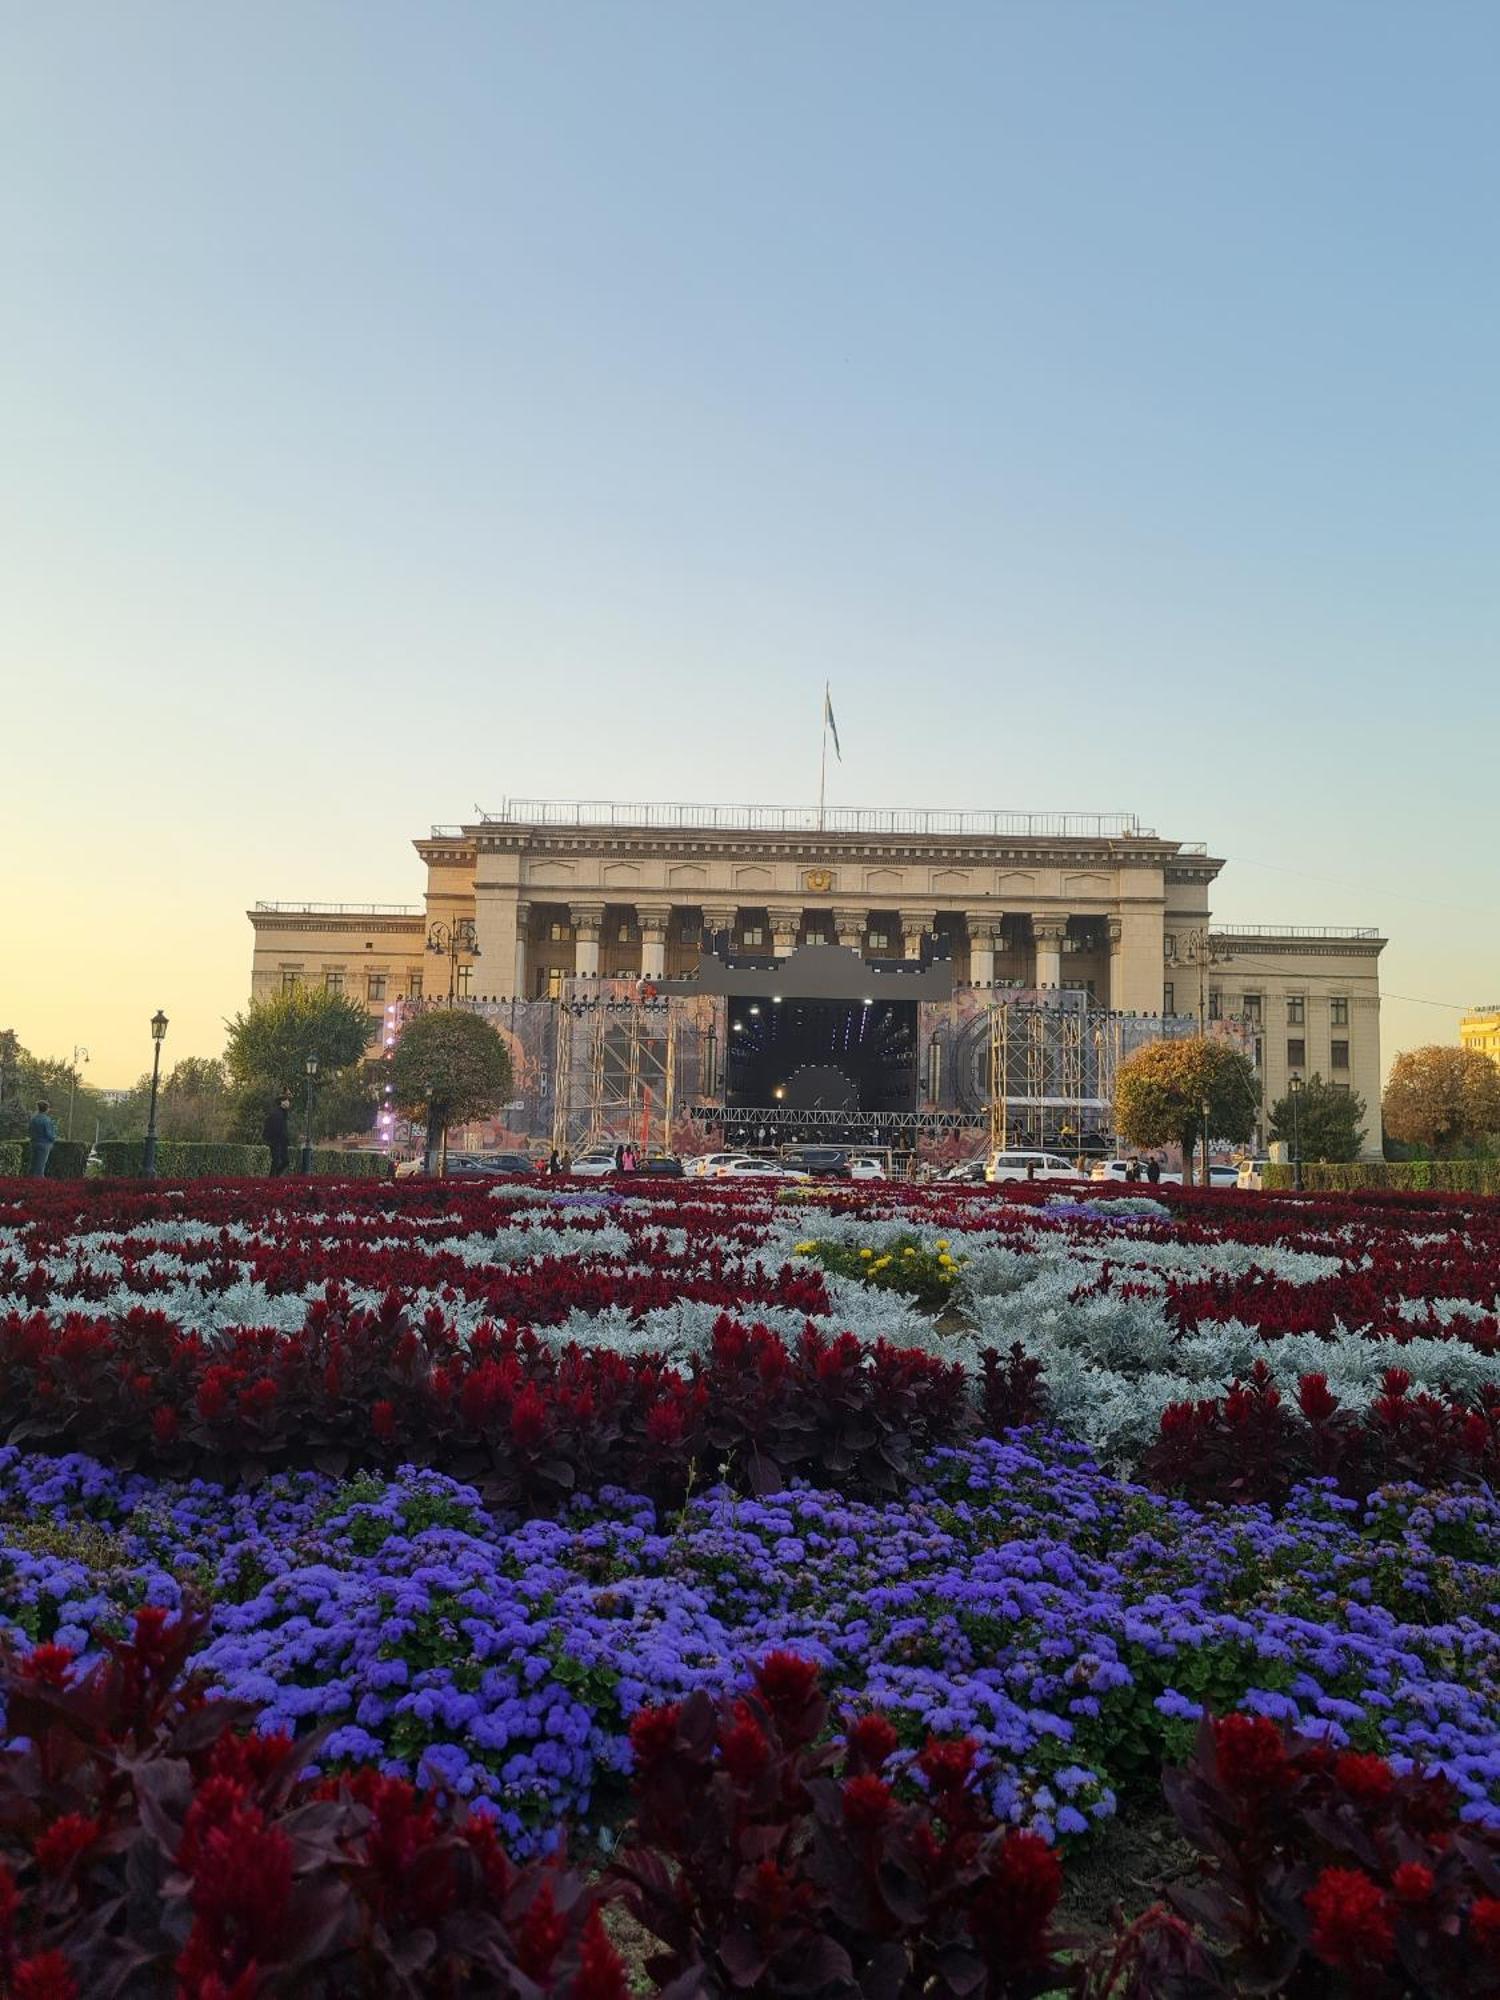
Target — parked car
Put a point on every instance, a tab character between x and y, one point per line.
595	1164
1250	1173
706	1165
665	1164
824	1163
752	1169
866	1170
1029	1167
1116	1170
1222	1175
491	1163
966	1170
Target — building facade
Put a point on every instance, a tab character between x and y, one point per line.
1479	1030
521	902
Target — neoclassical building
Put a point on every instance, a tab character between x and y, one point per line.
520	902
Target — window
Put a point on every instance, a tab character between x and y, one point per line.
1338	1013
816	934
554	983
559	933
622	935
1296	1054
1168	998
333	982
752	935
880	940
1252	1007
375	986
1296	1010
1341	1088
1259	1057
413	985
1339	1053
465	978
690	934
1215	1004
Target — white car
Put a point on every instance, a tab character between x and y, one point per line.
866	1170
1222	1175
966	1170
1251	1174
594	1165
1030	1167
749	1169
708	1166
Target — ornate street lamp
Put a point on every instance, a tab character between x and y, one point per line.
451	941
1294	1091
158	1036
307	1147
80	1054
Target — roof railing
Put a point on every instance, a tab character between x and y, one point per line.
1296	930
341	909
807	819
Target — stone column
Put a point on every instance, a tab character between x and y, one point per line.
587	920
982	930
1116	940
913	924
785	925
523	933
1047	934
849	928
653	919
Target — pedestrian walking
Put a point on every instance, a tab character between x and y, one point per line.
277	1133
42	1133
565	1164
1153	1170
554	1164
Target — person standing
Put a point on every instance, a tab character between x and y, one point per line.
1153	1170
565	1164
277	1133
554	1163
42	1133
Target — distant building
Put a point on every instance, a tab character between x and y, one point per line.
1480	1030
1014	906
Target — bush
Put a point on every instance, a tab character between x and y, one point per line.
349	1164
151	1844
1328	1873
1409	1176
180	1160
905	1265
772	1862
66	1162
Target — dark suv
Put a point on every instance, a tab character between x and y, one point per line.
825	1163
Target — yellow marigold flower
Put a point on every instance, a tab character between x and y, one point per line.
804	1249
945	1258
867	1253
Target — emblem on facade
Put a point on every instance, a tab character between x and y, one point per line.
818	880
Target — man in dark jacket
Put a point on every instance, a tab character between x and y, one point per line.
42	1133
276	1135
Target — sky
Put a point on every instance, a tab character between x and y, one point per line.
405	408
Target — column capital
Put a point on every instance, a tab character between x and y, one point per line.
523	912
1049	928
785	923
1116	933
918	920
587	920
653	918
719	916
983	925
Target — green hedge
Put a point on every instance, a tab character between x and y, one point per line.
177	1160
347	1166
65	1163
1407	1176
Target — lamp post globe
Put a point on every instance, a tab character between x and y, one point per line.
158	1036
307	1145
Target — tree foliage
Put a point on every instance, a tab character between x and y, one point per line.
1160	1091
25	1077
269	1043
1442	1098
1325	1124
452	1065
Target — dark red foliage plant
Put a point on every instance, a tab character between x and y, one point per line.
1326	1872
152	1844
766	1860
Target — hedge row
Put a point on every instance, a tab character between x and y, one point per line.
65	1163
1410	1176
179	1160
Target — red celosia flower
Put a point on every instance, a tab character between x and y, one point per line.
1484	1924
164	1424
1252	1760
653	1731
600	1974
1369	1780
786	1683
383	1418
664	1423
494	1862
1316	1400
1351	1920
743	1746
1012	1908
61	1844
872	1740
528	1418
540	1934
1413	1884
48	1665
867	1801
945	1762
46	1975
251	1758
242	1881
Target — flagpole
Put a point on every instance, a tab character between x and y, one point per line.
823	761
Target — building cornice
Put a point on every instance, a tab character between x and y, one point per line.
287	922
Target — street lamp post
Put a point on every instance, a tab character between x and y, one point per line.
80	1054
158	1036
1294	1091
1207	1176
307	1147
449	941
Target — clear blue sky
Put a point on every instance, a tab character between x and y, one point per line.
404	406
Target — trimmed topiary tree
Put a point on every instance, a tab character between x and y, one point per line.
451	1066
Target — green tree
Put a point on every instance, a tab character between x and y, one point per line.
1161	1090
451	1066
1442	1098
1325	1123
268	1049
